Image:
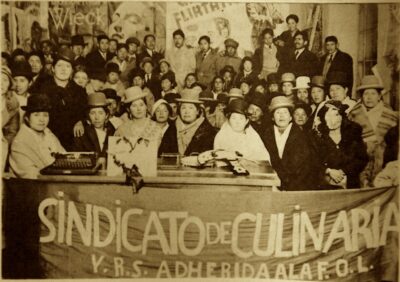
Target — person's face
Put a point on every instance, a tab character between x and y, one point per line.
300	116
333	119
317	95
112	106
190	80
113	77
174	108
338	92
273	87
150	43
248	66
302	95
77	50
62	70
98	117
113	46
122	54
245	88
282	117
46	48
188	112
21	84
227	77
5	83
292	25
162	113
204	45
166	85
97	85
138	81
38	121
255	113
260	89
164	68
370	98
299	41
138	109
148	68
230	51
132	48
218	84
178	41
81	78
238	122
36	64
287	88
330	47
103	45
268	38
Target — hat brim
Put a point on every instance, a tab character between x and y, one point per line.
316	85
283	105
189	101
306	87
372	86
134	99
33	110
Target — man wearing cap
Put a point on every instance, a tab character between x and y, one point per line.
338	87
77	46
375	118
149	50
206	68
181	57
68	100
151	79
291	154
230	56
97	59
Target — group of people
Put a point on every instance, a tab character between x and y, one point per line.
283	105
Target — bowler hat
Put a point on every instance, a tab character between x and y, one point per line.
22	68
288	77
64	54
206	95
236	93
302	82
280	102
237	106
77	40
317	81
337	77
132	40
307	109
258	99
171	97
370	82
112	67
111	94
132	94
191	95
97	99
146	60
273	78
231	43
37	103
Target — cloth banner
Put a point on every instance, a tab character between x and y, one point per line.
106	231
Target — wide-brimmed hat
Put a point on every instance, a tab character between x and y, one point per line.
37	103
97	99
77	40
337	77
112	67
370	82
317	81
171	97
146	60
280	102
237	106
302	82
236	93
231	43
191	95
111	94
258	99
158	103
22	68
132	40
288	77
132	94
65	54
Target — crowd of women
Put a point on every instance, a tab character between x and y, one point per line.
282	104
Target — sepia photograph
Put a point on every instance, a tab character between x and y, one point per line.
208	141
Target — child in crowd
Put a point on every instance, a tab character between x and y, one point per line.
168	84
81	78
113	79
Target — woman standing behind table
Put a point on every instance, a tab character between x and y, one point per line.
340	148
237	135
34	144
139	124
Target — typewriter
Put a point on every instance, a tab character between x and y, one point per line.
72	163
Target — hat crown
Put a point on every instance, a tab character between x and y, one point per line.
191	93
231	42
37	103
370	81
236	92
318	80
133	93
258	99
288	77
22	68
337	77
302	82
280	102
77	40
97	99
66	54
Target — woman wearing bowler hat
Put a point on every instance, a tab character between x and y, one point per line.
375	118
237	135
318	99
34	144
291	154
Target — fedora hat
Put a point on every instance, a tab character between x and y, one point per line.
288	77
337	77
302	82
22	68
317	81
65	54
280	102
77	40
236	93
37	103
370	82
97	99
191	95
231	43
132	94
237	106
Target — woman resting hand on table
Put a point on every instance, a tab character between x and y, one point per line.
34	144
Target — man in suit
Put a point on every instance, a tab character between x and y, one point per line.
151	79
206	68
300	61
336	61
97	59
149	50
230	56
77	46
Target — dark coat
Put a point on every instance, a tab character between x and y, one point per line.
258	58
203	140
34	88
69	106
95	61
342	62
295	169
305	65
350	154
154	84
155	58
89	142
206	69
287	37
252	78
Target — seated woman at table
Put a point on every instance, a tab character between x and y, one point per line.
97	129
34	144
192	132
139	124
340	148
237	135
